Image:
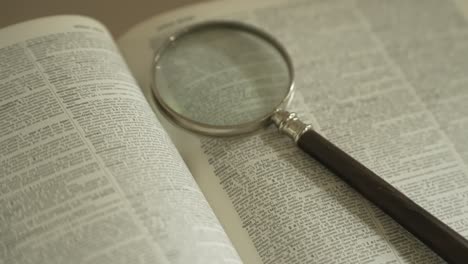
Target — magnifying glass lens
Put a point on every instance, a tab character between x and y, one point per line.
220	76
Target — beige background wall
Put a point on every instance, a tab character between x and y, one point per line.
117	15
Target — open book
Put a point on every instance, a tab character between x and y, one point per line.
90	172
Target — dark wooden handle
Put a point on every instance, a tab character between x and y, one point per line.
443	240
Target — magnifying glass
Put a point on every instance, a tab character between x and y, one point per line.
225	78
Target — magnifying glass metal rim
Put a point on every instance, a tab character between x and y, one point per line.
221	130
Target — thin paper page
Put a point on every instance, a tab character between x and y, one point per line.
372	79
88	175
138	47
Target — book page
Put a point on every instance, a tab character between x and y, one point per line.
87	173
383	80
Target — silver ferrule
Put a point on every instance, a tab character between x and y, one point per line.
289	124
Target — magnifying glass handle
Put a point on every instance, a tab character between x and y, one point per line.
443	240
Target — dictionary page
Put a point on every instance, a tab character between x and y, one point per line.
384	80
87	173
